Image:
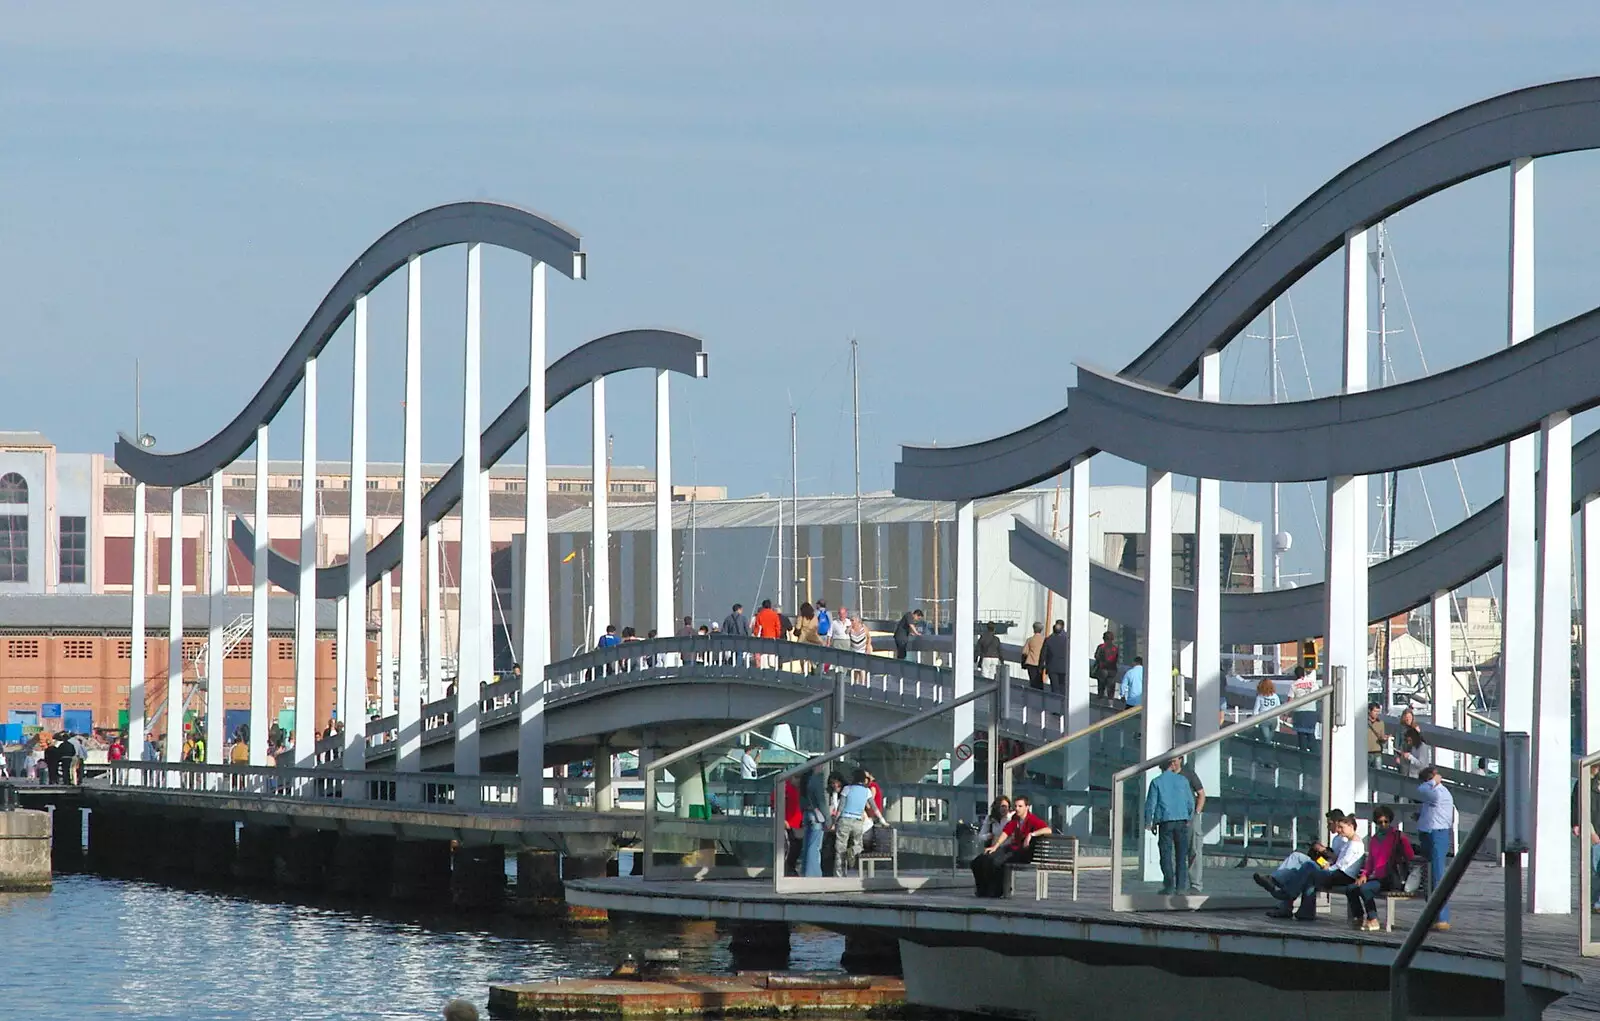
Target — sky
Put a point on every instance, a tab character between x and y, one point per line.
983	197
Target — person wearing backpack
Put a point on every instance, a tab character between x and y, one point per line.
1388	866
824	622
1106	655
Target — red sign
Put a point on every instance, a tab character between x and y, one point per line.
963	752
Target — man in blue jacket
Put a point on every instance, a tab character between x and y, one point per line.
1168	807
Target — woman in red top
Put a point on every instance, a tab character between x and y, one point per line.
1386	847
1015	844
794	822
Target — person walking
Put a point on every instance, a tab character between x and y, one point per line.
1033	656
1168	807
988	652
735	623
1435	824
824	622
1131	688
909	627
1267	699
1054	660
1106	655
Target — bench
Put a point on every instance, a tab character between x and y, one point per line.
1416	888
882	850
1055	852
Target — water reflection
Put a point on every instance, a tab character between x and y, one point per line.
103	948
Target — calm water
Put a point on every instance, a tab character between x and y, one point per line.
102	948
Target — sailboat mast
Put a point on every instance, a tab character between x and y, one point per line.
855	401
1277	548
1392	483
794	496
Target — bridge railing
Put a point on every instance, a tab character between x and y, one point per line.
1129	791
484	793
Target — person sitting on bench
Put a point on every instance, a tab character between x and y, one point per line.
1304	883
1316	852
1389	858
1013	846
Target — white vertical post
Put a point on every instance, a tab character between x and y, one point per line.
353	647
259	723
341	652
386	635
487	598
1345	637
409	753
218	563
535	652
174	750
1157	727
136	669
305	602
469	649
963	632
1207	646
666	614
432	609
1591	622
1158	613
1550	877
599	524
1445	690
1080	643
1517	648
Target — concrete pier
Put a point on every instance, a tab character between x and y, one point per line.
585	867
362	866
758	946
421	871
66	836
478	877
25	843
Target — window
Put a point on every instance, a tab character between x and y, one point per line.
241	482
22	648
322	483
294	483
372	483
13	489
74	550
241	650
77	648
286	649
514	486
13	547
125	648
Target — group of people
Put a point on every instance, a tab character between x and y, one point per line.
820	811
1409	754
1362	869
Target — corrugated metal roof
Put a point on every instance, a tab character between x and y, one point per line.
114	613
762	512
394	469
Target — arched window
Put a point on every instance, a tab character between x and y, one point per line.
13	528
13	488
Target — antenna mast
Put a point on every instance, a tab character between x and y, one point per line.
794	497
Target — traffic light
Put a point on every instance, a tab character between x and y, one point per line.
1308	654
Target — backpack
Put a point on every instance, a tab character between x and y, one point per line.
824	622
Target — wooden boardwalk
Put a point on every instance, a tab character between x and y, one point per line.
1477	921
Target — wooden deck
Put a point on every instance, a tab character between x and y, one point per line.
1476	937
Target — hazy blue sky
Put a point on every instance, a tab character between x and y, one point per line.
984	197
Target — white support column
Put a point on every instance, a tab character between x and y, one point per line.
1207	646
260	725
410	679
963	633
1591	622
174	749
432	608
599	525
305	602
341	652
534	655
1158	690
1080	642
1520	584
217	562
353	646
1445	690
386	635
1345	637
1550	877
666	612
487	598
136	668
470	670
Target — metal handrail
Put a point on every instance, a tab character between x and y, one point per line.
1482	719
995	689
1010	766
1586	945
1400	967
1324	694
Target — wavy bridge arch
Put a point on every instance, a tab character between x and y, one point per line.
603	356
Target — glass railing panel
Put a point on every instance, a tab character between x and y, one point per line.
1070	786
1244	795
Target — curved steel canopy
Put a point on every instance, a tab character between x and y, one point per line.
1448	560
603	356
489	223
1460	411
1538	121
